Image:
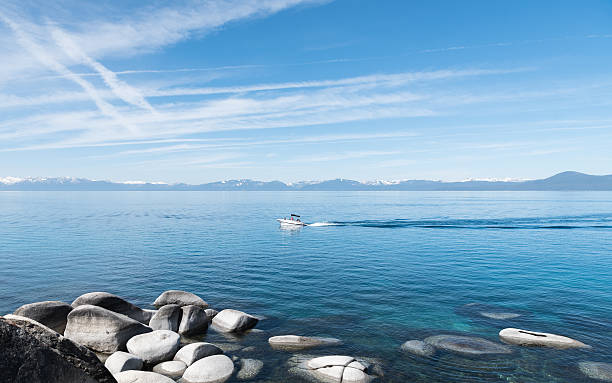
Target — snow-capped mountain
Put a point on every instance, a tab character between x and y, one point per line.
561	181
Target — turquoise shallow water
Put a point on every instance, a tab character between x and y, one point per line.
385	267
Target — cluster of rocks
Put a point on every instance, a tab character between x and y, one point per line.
474	346
54	342
138	345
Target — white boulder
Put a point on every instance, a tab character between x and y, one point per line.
230	320
100	329
155	347
533	338
212	369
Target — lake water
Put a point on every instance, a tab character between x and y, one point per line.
378	269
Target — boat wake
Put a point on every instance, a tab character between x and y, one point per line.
603	221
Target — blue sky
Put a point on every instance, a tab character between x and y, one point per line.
197	91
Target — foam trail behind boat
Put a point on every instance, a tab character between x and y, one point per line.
322	224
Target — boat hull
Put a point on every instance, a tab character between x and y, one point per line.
290	222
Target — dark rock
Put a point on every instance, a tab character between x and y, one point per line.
114	303
53	314
32	353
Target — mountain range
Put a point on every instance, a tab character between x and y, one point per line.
565	181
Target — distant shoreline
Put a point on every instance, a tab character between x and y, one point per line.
566	181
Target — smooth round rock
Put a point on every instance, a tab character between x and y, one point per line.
179	297
212	369
195	351
230	320
249	368
167	317
155	347
122	361
53	314
542	339
194	320
297	342
100	329
597	370
133	376
113	303
173	368
418	347
467	345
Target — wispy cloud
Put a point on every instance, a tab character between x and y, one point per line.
120	88
43	57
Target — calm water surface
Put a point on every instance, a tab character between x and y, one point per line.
378	269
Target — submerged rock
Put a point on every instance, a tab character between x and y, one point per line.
249	368
418	347
212	369
467	345
194	320
532	338
489	311
193	352
53	314
338	368
597	370
33	353
181	298
335	368
230	320
172	369
155	347
122	361
502	316
113	303
100	329
296	342
133	376
167	317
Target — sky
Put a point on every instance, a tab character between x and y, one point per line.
292	90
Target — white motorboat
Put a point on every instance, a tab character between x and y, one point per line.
293	221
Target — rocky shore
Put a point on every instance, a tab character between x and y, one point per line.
103	338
